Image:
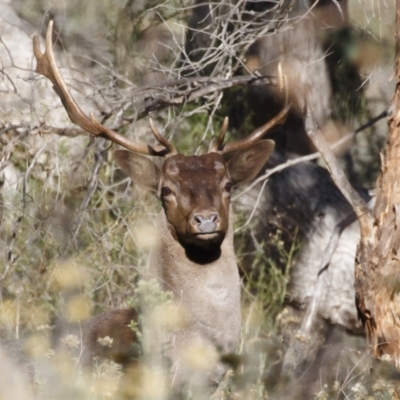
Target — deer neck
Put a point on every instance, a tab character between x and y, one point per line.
208	292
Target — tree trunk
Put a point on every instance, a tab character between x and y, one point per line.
377	270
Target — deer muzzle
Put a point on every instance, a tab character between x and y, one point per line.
206	223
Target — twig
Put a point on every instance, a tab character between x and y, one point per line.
372	121
10	128
312	156
8	149
196	93
162	98
10	259
91	187
338	176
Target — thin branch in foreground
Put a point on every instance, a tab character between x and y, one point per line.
196	92
358	204
312	156
372	121
160	98
10	260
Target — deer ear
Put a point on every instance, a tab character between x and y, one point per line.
244	165
140	169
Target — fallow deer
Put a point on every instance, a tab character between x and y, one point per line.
195	256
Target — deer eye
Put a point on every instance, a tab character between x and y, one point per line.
228	186
165	191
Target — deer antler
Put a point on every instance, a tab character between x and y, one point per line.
46	66
170	147
253	138
217	145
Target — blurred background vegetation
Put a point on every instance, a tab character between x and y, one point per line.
75	233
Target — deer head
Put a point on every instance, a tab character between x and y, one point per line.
194	190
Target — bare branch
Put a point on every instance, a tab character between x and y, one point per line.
360	207
310	157
198	88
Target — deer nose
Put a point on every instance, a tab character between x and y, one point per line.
206	223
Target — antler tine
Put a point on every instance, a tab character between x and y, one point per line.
169	146
47	66
217	145
257	134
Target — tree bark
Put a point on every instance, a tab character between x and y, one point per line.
377	269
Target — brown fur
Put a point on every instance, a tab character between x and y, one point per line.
116	325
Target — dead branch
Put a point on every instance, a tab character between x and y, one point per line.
169	94
360	207
313	156
197	90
